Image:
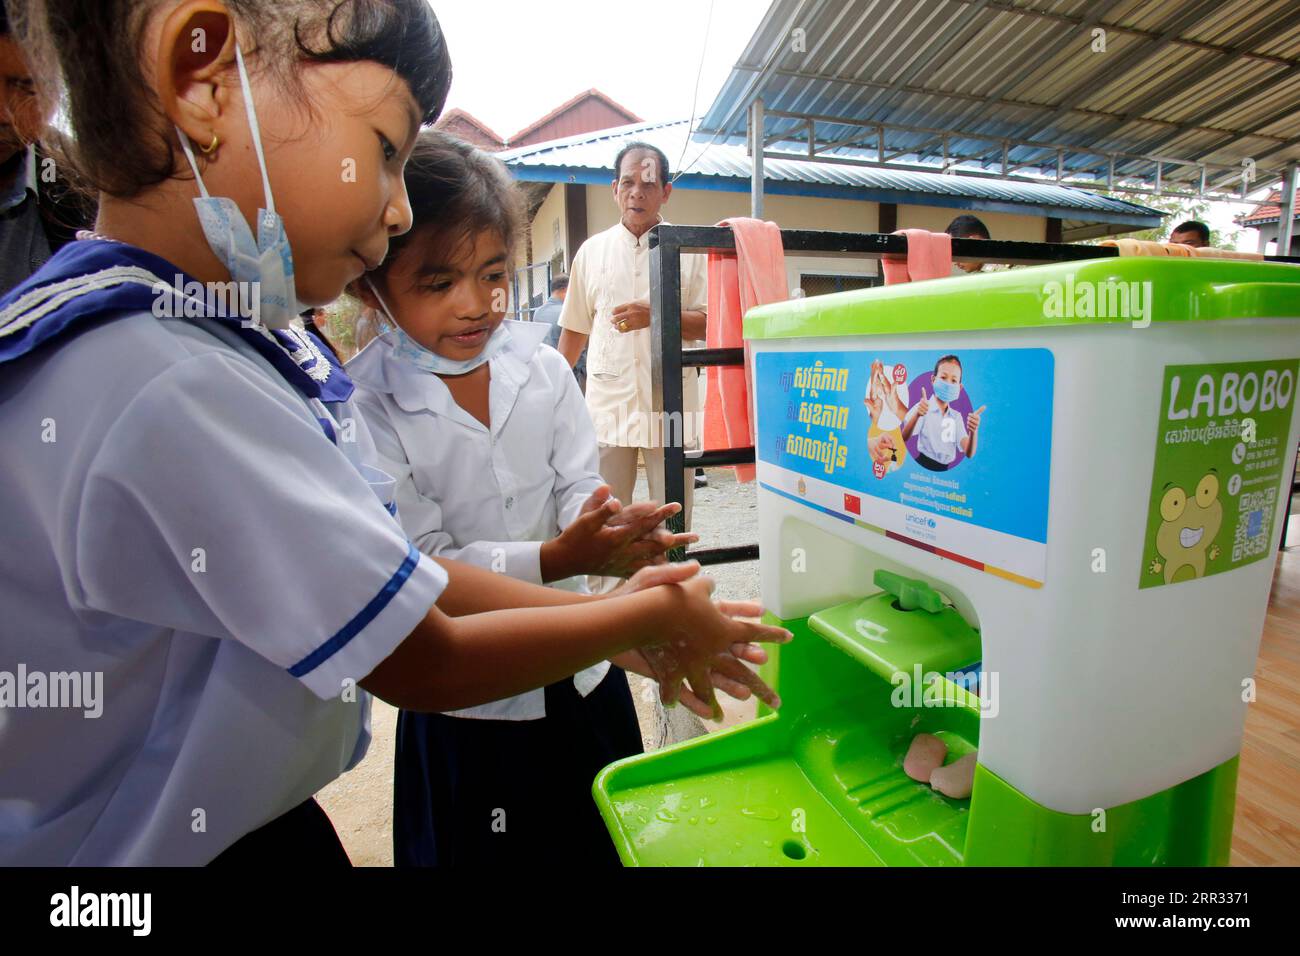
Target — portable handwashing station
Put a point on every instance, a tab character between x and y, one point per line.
1033	513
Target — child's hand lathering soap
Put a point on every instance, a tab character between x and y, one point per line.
612	540
709	644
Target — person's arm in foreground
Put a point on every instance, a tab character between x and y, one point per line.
545	635
473	590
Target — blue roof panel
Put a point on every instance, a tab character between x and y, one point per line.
699	162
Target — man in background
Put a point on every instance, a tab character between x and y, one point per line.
38	214
967	227
1192	233
608	305
549	312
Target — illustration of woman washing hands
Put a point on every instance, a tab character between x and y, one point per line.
885	444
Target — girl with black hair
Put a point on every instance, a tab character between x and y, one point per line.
174	472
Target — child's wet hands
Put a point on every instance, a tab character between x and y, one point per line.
612	540
727	673
709	646
652	544
703	638
597	498
616	541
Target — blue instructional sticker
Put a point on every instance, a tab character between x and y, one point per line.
947	451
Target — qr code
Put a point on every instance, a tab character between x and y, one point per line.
1250	538
1257	500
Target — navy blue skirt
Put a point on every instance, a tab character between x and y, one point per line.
470	792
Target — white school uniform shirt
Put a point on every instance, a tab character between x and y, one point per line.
488	497
188	531
929	437
609	269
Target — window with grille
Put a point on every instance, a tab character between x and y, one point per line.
816	283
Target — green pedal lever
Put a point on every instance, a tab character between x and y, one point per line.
911	593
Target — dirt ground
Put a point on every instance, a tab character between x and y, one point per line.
361	802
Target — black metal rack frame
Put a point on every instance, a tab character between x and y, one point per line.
668	358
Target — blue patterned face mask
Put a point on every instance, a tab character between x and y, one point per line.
268	261
406	348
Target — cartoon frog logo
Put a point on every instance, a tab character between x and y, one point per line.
1185	538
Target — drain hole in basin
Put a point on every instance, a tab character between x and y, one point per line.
794	849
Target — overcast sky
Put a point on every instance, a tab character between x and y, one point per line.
516	60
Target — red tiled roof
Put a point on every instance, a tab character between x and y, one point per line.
571	104
457	118
1270	210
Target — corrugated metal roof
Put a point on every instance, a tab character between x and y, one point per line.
700	164
1211	82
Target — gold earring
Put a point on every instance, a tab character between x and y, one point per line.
211	147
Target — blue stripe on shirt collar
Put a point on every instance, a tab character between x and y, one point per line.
363	618
95	305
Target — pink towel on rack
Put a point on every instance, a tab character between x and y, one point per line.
754	275
929	256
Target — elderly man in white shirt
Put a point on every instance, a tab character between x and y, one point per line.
609	304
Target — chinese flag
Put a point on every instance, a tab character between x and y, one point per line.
853	503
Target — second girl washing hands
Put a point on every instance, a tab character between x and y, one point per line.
495	457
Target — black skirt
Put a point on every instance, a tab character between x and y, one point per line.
470	792
303	837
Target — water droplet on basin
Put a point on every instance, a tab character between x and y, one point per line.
759	813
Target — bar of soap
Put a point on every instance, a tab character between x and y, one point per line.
956	779
925	755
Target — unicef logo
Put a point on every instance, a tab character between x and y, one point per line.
921	521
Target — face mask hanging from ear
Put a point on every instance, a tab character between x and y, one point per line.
406	348
268	262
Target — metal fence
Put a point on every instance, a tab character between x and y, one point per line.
530	286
